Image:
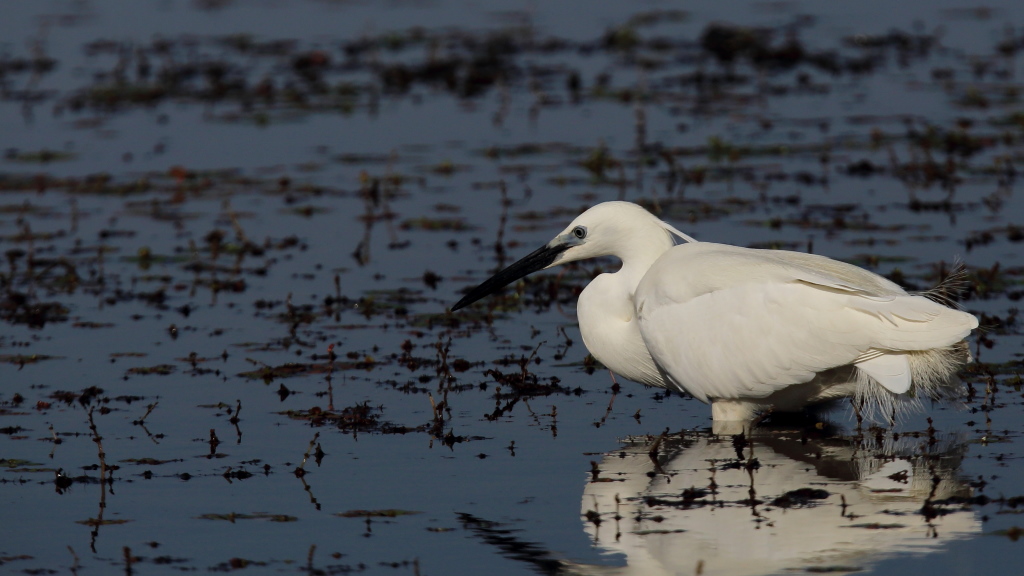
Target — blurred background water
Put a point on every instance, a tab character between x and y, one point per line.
229	226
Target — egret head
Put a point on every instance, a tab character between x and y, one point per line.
607	229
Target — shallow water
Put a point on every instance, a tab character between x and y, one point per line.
231	231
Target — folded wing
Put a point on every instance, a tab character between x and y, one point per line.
727	322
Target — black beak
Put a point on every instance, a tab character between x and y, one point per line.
536	260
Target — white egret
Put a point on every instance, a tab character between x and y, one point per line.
748	330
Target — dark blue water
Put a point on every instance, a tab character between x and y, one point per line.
180	250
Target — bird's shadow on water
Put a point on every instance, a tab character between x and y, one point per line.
780	498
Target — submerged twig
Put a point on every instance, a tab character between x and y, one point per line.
653	452
128	560
99	446
149	410
76	564
611	403
105	483
214	442
301	470
235	420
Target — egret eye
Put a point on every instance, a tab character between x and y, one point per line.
579	232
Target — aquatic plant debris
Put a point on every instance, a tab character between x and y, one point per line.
234	517
225	223
386	513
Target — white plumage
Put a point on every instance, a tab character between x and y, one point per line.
872	510
743	329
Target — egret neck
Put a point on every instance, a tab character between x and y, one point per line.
606	309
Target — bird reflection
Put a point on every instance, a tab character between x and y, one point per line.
775	501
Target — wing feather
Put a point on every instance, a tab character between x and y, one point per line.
890	370
726	322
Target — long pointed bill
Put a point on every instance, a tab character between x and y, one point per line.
536	260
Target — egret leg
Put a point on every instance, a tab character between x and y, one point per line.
730	427
732	410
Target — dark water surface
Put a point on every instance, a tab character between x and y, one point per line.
231	231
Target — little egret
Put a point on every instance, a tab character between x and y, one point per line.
746	330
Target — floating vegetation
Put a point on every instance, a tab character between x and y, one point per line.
15	463
436	224
270	373
233	517
43	156
22	359
148	461
800	497
353	419
159	369
386	513
1014	533
225	208
103	521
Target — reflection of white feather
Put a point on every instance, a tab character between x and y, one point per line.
645	518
